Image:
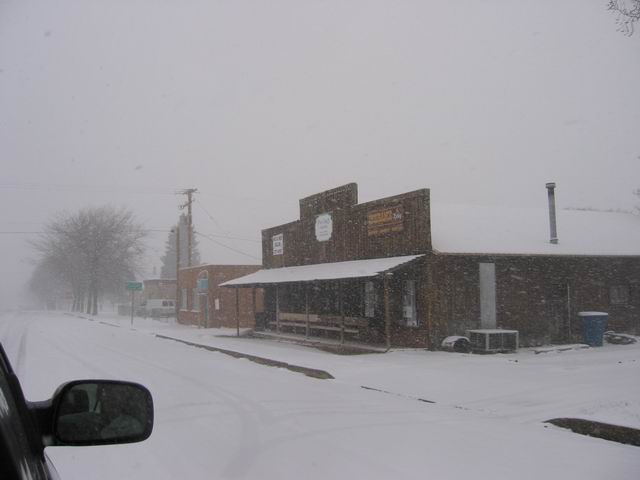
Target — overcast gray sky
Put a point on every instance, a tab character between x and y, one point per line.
258	104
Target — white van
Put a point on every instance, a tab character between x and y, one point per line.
159	307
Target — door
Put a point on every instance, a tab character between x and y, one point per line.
409	313
487	275
556	312
204	306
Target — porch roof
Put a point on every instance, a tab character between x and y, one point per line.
321	271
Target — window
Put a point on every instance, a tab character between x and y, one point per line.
183	299
634	294
409	314
195	306
619	295
369	300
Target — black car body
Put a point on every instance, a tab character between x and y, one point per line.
76	415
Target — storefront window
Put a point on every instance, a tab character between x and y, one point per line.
183	299
369	300
196	301
409	303
619	295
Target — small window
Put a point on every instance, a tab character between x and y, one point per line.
183	299
619	295
369	299
634	294
196	301
409	313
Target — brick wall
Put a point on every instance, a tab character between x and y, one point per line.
354	234
540	296
222	313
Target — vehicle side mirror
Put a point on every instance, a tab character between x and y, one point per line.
101	412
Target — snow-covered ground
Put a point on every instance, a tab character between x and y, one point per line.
221	417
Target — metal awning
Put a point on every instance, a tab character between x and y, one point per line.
321	271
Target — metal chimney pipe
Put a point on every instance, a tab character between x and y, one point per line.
552	212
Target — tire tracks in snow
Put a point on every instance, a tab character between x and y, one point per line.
250	414
17	328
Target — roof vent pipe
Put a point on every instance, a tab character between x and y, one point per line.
552	212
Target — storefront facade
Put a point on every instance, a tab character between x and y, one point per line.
377	273
348	271
202	302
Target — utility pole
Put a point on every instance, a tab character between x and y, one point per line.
189	193
178	295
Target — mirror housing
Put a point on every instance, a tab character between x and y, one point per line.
96	412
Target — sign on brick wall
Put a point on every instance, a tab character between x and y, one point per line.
386	220
278	244
324	227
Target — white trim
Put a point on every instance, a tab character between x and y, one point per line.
321	271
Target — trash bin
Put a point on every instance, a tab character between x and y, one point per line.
594	325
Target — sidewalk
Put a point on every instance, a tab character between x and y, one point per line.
595	383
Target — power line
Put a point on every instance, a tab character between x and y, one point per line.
227	246
232	237
211	217
229	237
87	188
128	189
150	230
11	232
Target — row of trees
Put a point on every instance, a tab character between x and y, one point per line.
628	12
92	252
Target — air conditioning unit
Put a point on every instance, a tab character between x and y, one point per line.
493	340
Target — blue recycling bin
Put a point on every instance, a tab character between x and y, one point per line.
594	324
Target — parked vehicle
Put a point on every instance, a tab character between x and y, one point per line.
158	308
80	413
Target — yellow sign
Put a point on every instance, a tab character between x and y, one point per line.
386	220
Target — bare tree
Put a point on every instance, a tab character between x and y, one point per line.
628	13
95	251
46	285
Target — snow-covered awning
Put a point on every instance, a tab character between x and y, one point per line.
321	271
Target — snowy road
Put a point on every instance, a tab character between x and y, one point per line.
220	417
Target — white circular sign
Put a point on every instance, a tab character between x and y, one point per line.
324	227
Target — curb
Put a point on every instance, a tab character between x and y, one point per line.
606	431
309	372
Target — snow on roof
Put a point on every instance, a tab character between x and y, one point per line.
487	229
321	271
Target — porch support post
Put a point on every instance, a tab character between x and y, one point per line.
341	300
277	310
237	312
306	308
430	301
253	304
387	311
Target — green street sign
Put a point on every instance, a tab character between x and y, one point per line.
134	286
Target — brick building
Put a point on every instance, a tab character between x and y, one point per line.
401	271
202	302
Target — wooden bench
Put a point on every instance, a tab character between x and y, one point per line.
326	323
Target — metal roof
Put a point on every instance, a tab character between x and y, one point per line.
321	271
